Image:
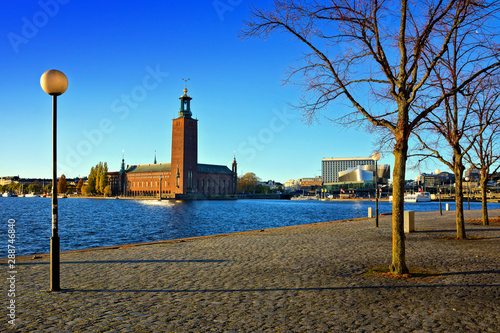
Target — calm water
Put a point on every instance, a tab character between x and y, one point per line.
86	223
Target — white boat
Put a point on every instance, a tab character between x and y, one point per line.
304	197
415	197
31	195
6	194
418	197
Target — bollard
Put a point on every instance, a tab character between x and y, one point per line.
409	221
370	212
447	206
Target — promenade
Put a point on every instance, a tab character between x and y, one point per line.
296	279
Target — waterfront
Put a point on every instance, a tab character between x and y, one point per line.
87	223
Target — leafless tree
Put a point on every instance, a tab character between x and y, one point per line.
453	129
485	152
374	56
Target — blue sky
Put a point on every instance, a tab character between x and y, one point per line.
125	61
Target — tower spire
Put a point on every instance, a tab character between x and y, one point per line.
185	110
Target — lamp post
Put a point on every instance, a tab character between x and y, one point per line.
376	156
54	83
468	193
438	172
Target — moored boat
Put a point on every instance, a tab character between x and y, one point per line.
418	197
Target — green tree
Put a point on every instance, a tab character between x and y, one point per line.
35	188
103	179
98	178
62	184
92	180
48	188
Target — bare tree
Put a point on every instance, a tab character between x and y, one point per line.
485	152
455	120
372	55
454	123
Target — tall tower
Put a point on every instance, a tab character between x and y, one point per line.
184	163
235	175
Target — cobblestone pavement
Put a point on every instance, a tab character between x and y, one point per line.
295	279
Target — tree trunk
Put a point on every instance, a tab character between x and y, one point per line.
398	265
459	201
484	196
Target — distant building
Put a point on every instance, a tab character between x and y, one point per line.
292	185
366	173
432	179
183	177
311	184
8	180
272	184
330	167
473	174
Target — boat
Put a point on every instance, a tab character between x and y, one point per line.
31	195
6	194
418	197
415	197
304	197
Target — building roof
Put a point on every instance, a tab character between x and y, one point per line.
347	159
160	167
211	168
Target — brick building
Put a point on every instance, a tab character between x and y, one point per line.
184	177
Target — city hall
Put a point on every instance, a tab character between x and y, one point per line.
183	177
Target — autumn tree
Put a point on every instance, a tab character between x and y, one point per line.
98	178
107	191
372	56
79	186
247	182
62	185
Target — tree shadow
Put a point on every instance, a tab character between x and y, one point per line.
124	262
263	290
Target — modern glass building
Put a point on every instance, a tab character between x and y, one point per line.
330	167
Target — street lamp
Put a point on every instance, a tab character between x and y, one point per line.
438	172
468	193
376	156
54	83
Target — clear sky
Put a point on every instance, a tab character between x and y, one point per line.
125	61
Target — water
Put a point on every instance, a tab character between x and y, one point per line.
87	223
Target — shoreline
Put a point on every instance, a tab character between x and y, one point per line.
36	256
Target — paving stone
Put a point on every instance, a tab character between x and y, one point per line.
295	279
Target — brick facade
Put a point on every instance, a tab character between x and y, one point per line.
183	177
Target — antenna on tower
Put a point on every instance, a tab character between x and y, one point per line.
185	81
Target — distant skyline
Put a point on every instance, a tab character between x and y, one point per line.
126	62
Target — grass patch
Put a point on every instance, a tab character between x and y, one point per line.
416	274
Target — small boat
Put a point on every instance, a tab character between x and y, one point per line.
62	196
6	194
31	195
418	197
